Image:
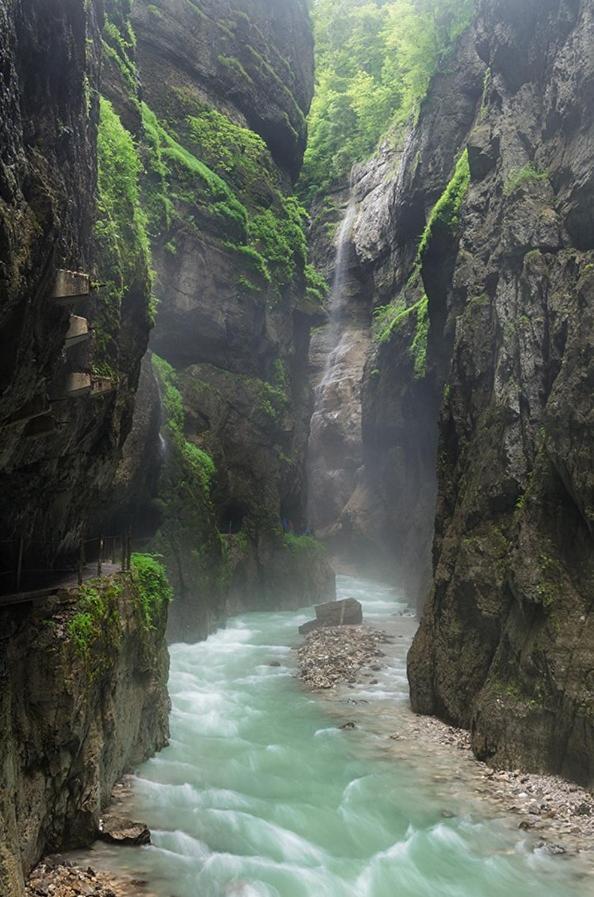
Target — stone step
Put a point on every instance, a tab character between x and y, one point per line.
78	331
70	286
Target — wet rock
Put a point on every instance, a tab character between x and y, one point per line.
515	496
340	613
554	850
308	627
65	880
116	830
349	725
347	612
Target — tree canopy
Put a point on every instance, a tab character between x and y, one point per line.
375	60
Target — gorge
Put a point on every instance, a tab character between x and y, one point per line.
249	343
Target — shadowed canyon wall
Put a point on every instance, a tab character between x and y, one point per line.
57	454
474	242
225	93
173	151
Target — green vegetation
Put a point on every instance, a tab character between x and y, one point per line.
207	170
198	463
185	486
97	618
521	176
418	347
301	545
375	61
389	318
120	231
119	44
234	152
444	217
316	286
446	211
178	175
153	591
96	629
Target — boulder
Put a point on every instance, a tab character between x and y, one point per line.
116	830
347	612
340	613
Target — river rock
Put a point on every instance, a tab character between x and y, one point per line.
65	880
334	654
117	830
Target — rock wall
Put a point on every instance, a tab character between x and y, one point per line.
506	643
78	709
83	677
57	455
474	244
225	94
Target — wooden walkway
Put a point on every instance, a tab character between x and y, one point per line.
60	583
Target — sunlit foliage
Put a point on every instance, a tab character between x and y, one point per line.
375	60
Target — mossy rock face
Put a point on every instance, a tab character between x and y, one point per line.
96	666
505	645
222	131
234	49
49	189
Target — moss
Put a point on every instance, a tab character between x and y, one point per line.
97	620
152	589
238	187
549	589
120	232
487	81
235	68
234	152
118	45
521	176
419	344
254	259
247	286
199	465
185	500
446	211
316	285
179	174
304	545
387	319
279	238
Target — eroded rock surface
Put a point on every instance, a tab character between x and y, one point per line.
226	90
476	402
77	712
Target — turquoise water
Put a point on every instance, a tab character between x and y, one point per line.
260	794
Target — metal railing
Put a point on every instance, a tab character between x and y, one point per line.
86	561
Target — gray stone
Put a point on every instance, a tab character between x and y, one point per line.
117	830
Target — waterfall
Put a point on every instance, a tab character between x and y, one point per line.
336	305
338	357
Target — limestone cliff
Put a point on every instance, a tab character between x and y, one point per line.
83	692
60	442
83	699
506	642
475	242
225	92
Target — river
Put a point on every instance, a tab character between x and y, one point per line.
260	794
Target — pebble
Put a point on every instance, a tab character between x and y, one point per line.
66	880
338	654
